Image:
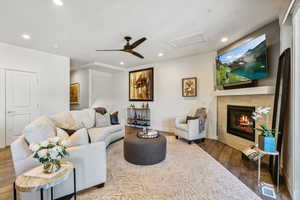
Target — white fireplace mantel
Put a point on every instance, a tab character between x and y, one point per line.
246	91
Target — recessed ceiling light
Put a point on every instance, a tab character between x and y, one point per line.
122	63
224	39
26	36
160	54
58	2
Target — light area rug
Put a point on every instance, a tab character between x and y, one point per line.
188	173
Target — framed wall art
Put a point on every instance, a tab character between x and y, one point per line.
74	93
141	85
189	87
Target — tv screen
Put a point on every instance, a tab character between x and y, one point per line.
244	63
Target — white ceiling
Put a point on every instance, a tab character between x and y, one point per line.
81	26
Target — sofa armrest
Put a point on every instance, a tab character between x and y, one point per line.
90	163
180	120
22	156
193	126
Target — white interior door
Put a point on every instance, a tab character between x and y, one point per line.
21	102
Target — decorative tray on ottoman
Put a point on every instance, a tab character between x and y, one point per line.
148	134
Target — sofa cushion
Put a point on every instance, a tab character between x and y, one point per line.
39	130
63	120
84	118
183	127
80	137
102	120
99	134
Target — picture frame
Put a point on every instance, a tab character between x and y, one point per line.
74	93
141	85
189	87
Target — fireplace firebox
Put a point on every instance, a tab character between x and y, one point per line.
240	122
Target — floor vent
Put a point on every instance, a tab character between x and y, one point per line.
268	190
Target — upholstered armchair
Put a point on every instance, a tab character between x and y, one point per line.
190	130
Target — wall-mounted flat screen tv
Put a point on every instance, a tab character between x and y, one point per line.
244	63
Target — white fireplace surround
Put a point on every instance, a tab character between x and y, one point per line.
246	91
255	96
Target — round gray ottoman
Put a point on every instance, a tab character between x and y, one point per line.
142	151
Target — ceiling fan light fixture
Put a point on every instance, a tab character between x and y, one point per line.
160	54
122	63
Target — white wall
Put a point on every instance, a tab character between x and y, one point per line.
82	77
102	89
168	101
53	72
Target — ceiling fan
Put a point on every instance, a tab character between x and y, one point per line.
129	47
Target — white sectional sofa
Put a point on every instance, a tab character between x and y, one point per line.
89	157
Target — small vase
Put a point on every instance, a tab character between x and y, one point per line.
269	144
52	167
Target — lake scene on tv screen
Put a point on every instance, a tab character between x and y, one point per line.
243	63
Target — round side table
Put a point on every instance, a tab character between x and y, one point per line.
25	183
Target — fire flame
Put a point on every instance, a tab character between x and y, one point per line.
244	120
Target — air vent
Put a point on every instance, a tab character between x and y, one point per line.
187	40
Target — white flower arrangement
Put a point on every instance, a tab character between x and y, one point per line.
50	151
260	113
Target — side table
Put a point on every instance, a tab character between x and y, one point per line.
259	163
31	184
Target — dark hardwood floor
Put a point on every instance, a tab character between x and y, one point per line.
245	170
230	158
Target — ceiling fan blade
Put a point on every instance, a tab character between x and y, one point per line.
136	54
138	42
111	50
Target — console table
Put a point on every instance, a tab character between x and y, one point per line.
138	117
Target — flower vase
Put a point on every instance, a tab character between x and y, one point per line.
269	144
51	167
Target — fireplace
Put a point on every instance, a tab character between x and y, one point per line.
239	121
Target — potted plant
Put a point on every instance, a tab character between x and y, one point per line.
266	140
50	152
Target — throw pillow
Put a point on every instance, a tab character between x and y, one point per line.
84	118
102	120
61	133
114	118
64	120
191	118
39	130
80	137
101	110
